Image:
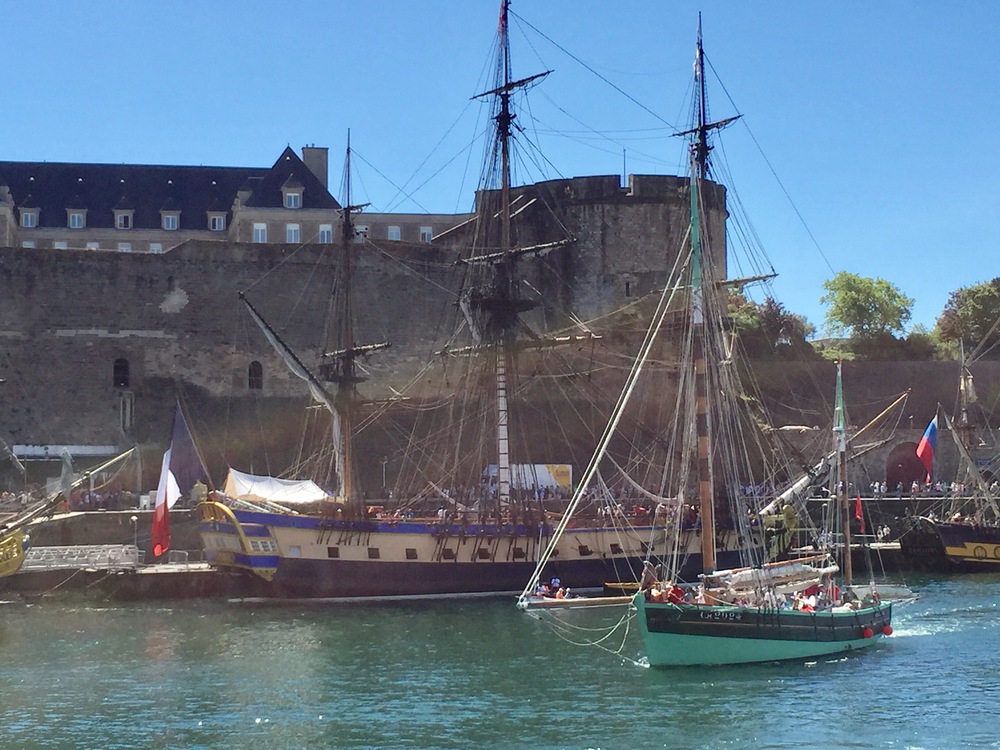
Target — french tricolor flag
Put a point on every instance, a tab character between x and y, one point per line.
182	467
925	448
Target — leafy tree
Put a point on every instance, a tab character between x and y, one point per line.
921	344
970	316
768	328
866	309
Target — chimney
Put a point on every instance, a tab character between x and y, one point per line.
317	158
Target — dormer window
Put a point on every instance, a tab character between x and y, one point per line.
29	219
291	193
171	220
123	218
217	222
76	219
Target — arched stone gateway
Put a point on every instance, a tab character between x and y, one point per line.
903	467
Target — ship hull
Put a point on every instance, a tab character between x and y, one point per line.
309	557
937	546
690	635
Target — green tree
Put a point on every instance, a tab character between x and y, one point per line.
864	308
768	328
970	316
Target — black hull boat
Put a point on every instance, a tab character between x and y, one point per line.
304	557
944	547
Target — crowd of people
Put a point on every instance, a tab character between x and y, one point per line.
819	596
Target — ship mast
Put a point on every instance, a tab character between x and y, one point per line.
340	366
840	432
501	304
699	170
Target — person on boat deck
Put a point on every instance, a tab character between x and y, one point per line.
561	593
675	594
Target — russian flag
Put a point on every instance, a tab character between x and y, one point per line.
925	448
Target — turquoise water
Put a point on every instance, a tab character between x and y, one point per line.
473	674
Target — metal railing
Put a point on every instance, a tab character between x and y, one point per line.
101	556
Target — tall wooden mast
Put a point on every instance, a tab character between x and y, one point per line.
703	427
501	305
340	365
700	167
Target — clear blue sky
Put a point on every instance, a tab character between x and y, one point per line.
879	119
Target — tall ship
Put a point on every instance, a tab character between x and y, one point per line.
478	495
959	532
715	441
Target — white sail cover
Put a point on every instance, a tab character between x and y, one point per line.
272	489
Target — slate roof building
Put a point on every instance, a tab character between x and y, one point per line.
147	208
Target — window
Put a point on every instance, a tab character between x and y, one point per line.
60	245
124	247
292	233
171	221
28	243
93	245
360	233
77	220
326	233
217	222
393	233
426	234
155	247
259	232
120	375
293	200
29	219
255	376
123	219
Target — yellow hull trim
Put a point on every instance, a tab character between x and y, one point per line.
12	552
977	552
217	512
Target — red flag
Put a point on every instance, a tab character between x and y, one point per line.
859	514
